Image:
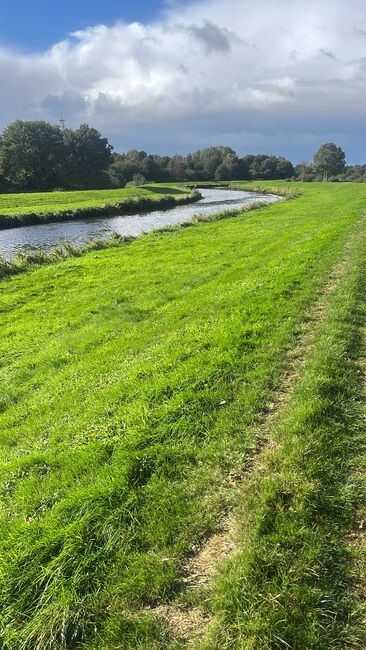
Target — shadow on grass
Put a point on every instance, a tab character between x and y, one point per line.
165	189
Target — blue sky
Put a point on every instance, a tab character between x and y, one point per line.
36	24
172	76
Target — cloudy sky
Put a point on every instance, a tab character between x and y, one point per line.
271	76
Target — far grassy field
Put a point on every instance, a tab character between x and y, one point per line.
134	383
57	201
47	207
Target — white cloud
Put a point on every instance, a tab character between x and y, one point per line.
237	66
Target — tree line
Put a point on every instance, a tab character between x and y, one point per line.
329	164
208	164
39	156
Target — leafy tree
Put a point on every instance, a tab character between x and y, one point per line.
206	162
117	174
244	172
355	174
267	167
87	157
177	168
125	166
229	169
223	173
5	186
31	155
329	160
139	179
150	169
284	168
304	172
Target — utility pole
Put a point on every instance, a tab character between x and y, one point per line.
62	122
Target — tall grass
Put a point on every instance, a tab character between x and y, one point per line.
229	214
278	190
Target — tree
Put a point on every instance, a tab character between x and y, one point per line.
117	174
177	168
355	173
87	157
223	173
304	172
138	179
284	168
149	169
329	160
267	167
5	186
207	161
31	155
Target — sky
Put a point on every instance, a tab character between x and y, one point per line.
270	76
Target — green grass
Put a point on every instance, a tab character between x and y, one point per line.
291	583
37	208
132	383
56	201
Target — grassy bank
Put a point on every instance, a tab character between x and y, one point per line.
133	381
36	208
27	261
291	583
280	188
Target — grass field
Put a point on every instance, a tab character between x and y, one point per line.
56	201
45	207
138	386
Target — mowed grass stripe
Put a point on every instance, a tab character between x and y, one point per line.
132	380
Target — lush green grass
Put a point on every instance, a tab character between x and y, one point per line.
132	383
290	585
29	209
12	204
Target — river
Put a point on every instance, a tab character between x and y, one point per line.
43	237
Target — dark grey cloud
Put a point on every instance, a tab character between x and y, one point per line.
328	54
213	37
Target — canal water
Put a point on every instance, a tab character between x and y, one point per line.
43	237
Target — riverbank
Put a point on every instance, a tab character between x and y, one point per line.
43	238
262	187
136	384
26	261
52	207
